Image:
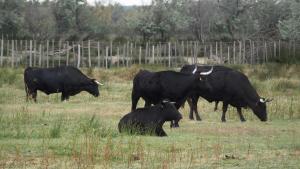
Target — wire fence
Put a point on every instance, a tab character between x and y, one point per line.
50	53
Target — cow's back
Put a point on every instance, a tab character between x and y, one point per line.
240	87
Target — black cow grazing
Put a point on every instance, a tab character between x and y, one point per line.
171	85
149	120
231	87
66	80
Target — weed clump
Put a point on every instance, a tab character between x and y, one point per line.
96	127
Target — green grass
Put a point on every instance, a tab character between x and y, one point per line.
82	133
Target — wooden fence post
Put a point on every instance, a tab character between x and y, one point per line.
68	53
89	53
82	54
153	49
240	52
228	54
118	55
131	59
221	52
169	44
251	52
40	55
158	52
98	51
140	55
1	53
210	51
217	50
8	48
146	52
175	52
59	52
266	52
47	54
106	57
244	53
234	61
17	62
12	53
78	59
279	49
74	53
53	53
30	53
34	52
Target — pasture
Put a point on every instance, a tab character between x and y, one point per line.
82	133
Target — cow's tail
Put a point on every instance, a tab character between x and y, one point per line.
26	80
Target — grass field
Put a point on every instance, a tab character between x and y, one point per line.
82	133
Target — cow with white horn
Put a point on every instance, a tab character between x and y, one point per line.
154	87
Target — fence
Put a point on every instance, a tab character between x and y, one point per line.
15	53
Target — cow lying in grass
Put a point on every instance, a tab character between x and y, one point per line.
149	120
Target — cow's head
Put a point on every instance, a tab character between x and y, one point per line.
260	109
170	112
92	87
202	83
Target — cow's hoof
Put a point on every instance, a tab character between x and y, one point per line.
191	118
243	120
223	120
174	126
199	119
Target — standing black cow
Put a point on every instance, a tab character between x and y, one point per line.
230	86
149	120
66	79
171	85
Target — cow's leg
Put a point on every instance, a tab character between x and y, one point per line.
190	102
147	103
195	101
224	108
134	99
27	93
63	96
239	110
216	105
160	132
34	95
174	123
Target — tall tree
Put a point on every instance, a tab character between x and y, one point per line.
11	17
290	26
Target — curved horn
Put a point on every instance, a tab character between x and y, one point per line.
262	100
98	83
207	73
268	100
195	70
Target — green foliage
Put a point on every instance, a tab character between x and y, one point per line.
290	28
55	130
96	127
7	76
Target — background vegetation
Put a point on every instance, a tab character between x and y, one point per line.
163	20
82	133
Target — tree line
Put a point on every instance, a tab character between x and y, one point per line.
162	20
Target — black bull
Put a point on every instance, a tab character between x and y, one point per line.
66	80
154	87
231	87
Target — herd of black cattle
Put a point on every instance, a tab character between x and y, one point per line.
164	93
